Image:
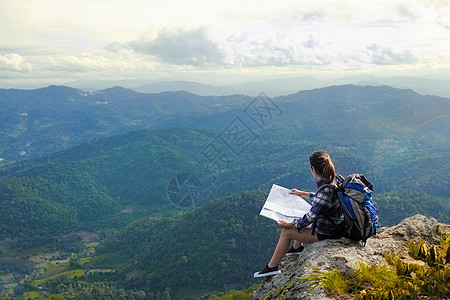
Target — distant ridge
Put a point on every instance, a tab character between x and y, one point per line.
275	86
44	120
188	86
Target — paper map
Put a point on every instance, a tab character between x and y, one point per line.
280	205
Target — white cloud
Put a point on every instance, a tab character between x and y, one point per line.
386	56
121	63
180	46
66	39
426	11
14	62
312	42
271	47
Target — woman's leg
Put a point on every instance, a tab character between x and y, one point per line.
285	240
297	244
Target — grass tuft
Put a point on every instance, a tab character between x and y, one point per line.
334	281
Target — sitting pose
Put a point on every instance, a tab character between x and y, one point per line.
325	215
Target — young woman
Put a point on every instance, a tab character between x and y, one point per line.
325	215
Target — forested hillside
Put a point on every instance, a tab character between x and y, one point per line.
212	248
41	121
93	183
149	195
218	245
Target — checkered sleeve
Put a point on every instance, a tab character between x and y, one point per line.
320	202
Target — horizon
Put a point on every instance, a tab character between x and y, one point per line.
220	44
271	88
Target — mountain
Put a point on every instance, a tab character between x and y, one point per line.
217	247
425	86
210	248
272	87
380	110
28	219
36	122
94	182
378	121
112	181
276	86
394	136
225	237
172	202
280	86
187	86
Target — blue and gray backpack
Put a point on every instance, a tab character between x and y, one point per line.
360	214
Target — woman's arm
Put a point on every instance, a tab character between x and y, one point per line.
301	193
320	202
284	224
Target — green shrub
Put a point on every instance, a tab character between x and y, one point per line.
237	295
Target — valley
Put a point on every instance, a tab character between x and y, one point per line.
158	195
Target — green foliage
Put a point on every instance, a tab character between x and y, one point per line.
430	279
334	281
28	219
43	199
213	246
377	275
94	287
399	204
397	279
87	186
237	295
91	183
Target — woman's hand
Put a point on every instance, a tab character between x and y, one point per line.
286	225
299	193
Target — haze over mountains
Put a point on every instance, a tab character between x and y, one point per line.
274	86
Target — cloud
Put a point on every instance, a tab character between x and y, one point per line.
443	14
14	62
202	48
407	10
311	42
315	15
430	11
180	46
387	56
275	38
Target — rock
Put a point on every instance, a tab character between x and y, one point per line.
344	254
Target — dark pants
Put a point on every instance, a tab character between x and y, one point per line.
322	237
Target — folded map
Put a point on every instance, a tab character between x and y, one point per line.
281	205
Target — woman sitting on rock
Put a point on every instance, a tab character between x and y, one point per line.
325	215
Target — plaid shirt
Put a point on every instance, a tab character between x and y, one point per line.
323	203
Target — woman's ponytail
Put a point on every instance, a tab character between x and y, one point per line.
323	166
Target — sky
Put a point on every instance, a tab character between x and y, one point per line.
220	42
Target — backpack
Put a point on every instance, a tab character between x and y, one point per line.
360	214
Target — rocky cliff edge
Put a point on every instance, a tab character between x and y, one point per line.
344	255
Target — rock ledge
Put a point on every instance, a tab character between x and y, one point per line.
344	254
